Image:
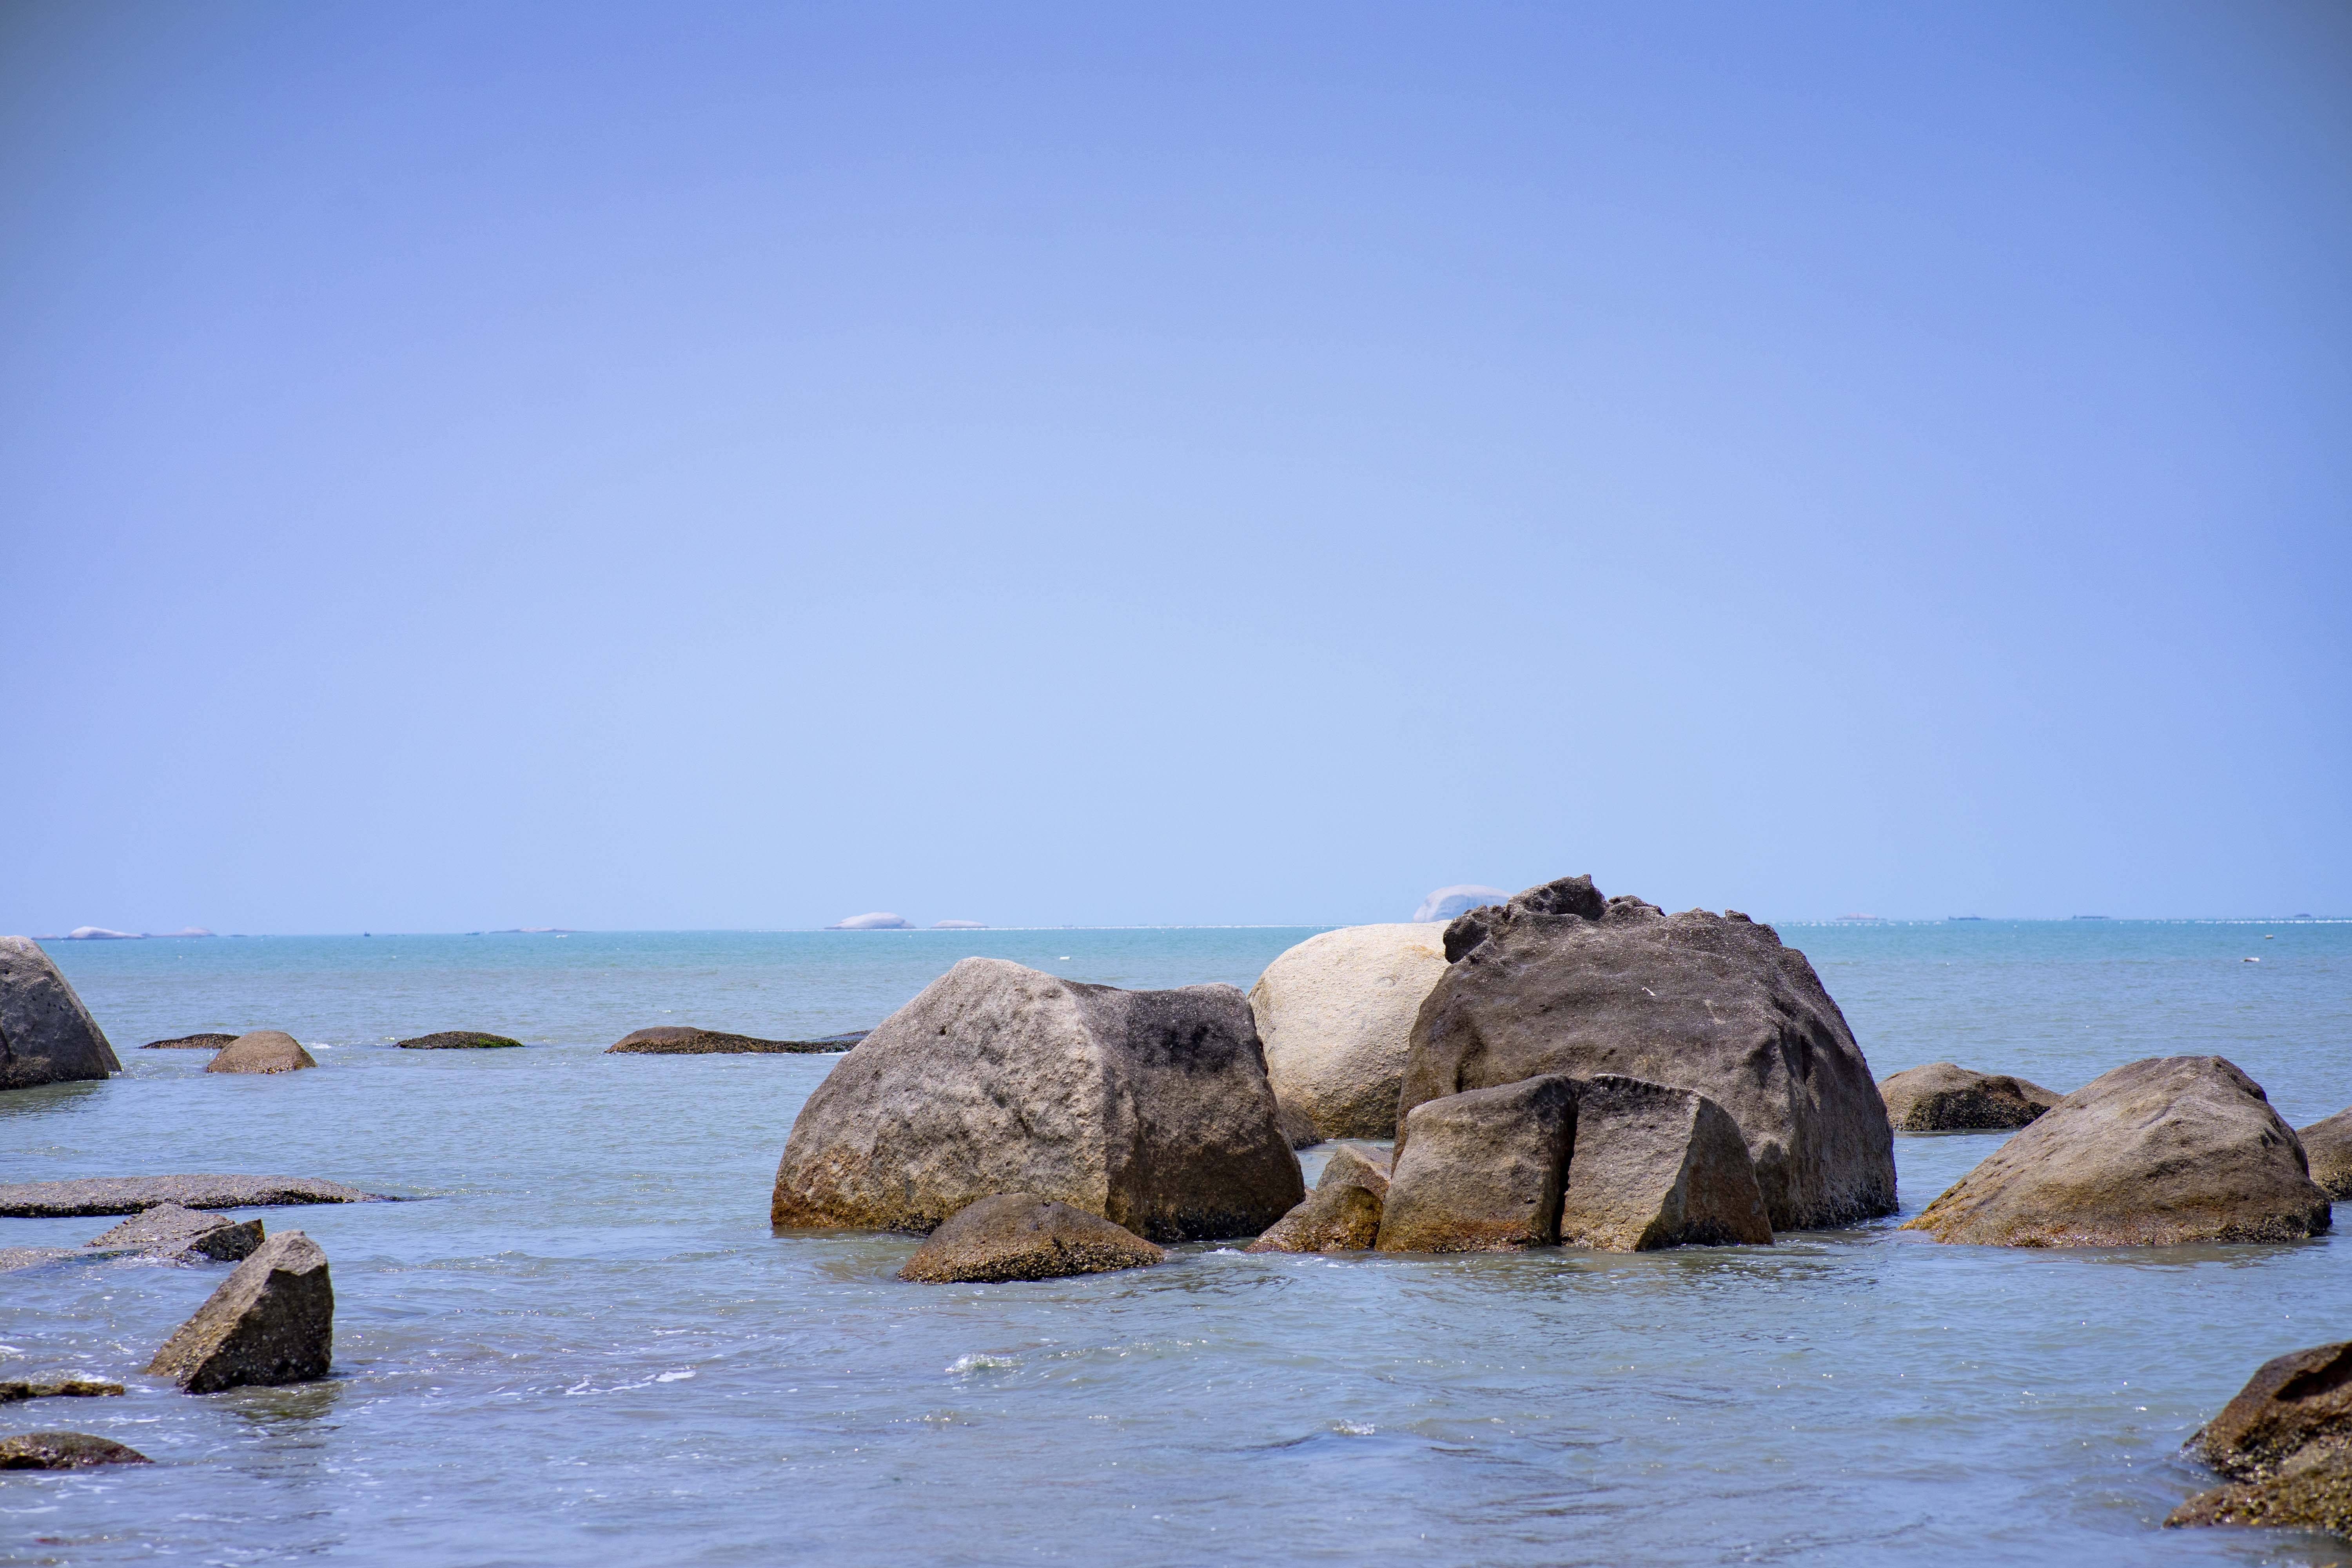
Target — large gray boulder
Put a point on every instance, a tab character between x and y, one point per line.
1342	1214
2156	1152
1656	1167
1020	1236
2327	1144
1944	1098
262	1051
47	1035
271	1321
1149	1107
1336	1014
2285	1441
1561	980
1484	1169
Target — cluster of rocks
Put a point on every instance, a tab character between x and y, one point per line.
2286	1445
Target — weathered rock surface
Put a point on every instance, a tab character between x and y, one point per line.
130	1194
15	1389
2327	1144
2158	1152
1562	980
64	1451
1656	1167
2311	1491
1149	1107
262	1051
1944	1098
1296	1125
190	1043
1336	1014
271	1321
186	1234
1484	1169
457	1040
2286	1443
677	1040
47	1035
1020	1236
1342	1214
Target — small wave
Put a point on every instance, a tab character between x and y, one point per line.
964	1363
1354	1428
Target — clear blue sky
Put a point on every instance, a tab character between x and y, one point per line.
697	466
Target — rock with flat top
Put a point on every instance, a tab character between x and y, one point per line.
678	1040
190	1043
129	1194
1336	1015
271	1321
183	1235
64	1451
1944	1098
1342	1214
2158	1152
262	1051
12	1390
1020	1236
2327	1144
1656	1167
458	1040
1484	1169
47	1035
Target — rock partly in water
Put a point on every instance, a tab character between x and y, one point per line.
1656	1167
1020	1236
2327	1144
47	1035
458	1040
1149	1107
1336	1015
183	1235
1446	903
1945	1098
2285	1441
680	1041
262	1051
2158	1152
1342	1214
190	1043
1296	1125
1484	1169
64	1451
1561	980
2311	1491
129	1194
271	1321
12	1390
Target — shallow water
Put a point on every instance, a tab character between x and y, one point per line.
589	1347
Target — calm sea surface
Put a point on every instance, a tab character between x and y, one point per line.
588	1348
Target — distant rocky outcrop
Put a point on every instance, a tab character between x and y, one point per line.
64	1451
2156	1152
1561	980
183	1235
131	1195
271	1321
457	1040
99	933
678	1040
2285	1441
1944	1098
1151	1109
1336	1015
879	921
190	1043
2327	1144
1484	1169
1447	902
1020	1236
1342	1214
47	1035
1656	1167
261	1051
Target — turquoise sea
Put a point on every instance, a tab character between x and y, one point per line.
587	1347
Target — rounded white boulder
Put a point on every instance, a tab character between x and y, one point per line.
1336	1014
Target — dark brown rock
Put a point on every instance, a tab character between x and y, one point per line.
1484	1169
130	1194
1943	1098
190	1043
1149	1107
2292	1401
1342	1214
2312	1491
1020	1236
1297	1127
64	1451
1656	1167
15	1389
184	1233
1563	980
47	1035
674	1040
2155	1153
2327	1144
271	1321
262	1051
458	1040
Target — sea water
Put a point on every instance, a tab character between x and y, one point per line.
587	1347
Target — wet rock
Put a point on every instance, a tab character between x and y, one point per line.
262	1051
2292	1401
184	1234
2311	1491
1656	1167
1336	1015
64	1451
15	1389
677	1040
1020	1236
1342	1214
1149	1107
130	1194
1484	1169
190	1043
458	1040
1561	980
47	1035
2328	1146
1943	1098
2155	1153
271	1321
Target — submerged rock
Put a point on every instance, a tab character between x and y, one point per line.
2155	1153
184	1234
1484	1169
15	1389
47	1035
130	1194
1335	1014
1020	1236
1149	1107
678	1040
271	1321
458	1040
64	1451
1945	1098
2327	1144
1342	1214
190	1043
1656	1167
1562	980
2286	1440
262	1051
